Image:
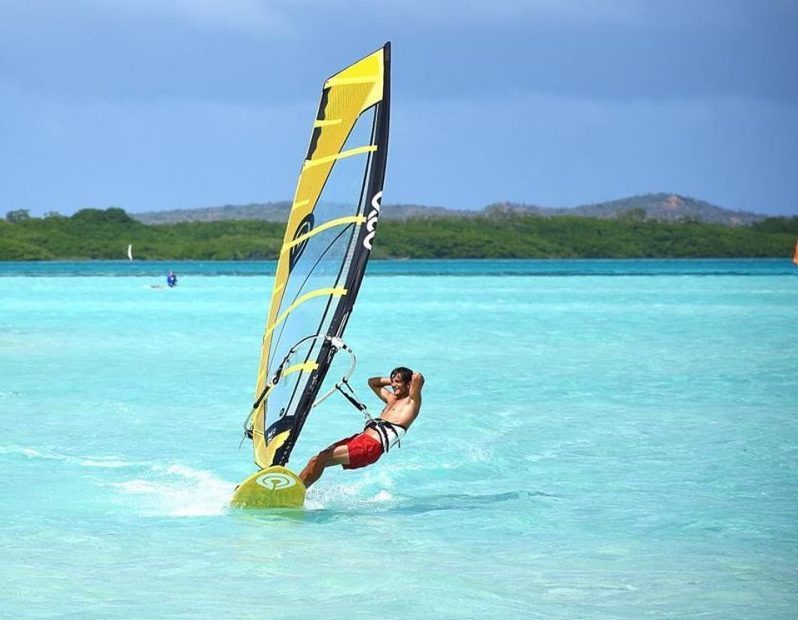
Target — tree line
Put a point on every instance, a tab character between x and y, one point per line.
105	234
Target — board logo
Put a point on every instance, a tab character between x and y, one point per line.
371	220
305	226
275	482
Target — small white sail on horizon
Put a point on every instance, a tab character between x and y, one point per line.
130	252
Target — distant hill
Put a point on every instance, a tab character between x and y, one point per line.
269	211
660	207
278	212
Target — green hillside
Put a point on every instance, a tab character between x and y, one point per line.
105	234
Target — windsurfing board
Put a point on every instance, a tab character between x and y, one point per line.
273	487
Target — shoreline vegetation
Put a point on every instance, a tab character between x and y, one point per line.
105	235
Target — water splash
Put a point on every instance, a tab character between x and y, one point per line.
177	490
370	489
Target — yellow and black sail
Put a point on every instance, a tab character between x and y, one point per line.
327	243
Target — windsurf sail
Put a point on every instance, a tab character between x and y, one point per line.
130	252
327	243
795	254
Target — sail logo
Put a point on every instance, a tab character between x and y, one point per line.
371	220
275	482
305	226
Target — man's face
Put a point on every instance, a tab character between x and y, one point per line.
400	388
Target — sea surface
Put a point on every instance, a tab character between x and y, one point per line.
598	439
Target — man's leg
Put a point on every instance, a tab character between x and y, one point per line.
334	455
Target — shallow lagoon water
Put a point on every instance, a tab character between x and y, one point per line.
603	439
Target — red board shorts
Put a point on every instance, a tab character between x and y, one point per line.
363	450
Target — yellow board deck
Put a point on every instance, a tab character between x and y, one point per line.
273	487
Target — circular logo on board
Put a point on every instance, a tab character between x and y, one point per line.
274	482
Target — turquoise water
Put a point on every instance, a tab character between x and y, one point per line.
599	439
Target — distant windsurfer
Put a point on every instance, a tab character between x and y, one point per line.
171	279
402	404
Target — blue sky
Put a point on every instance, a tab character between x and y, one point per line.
163	104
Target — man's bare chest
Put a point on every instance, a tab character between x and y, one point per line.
396	408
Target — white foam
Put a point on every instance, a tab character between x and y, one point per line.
165	490
382	496
179	491
51	455
109	463
29	452
349	494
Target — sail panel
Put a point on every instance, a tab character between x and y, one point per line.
323	257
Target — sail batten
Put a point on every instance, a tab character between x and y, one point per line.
336	292
342	155
341	221
325	249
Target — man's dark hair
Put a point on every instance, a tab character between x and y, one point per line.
405	373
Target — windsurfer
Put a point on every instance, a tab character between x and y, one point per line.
171	279
402	404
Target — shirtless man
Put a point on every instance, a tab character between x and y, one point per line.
401	409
